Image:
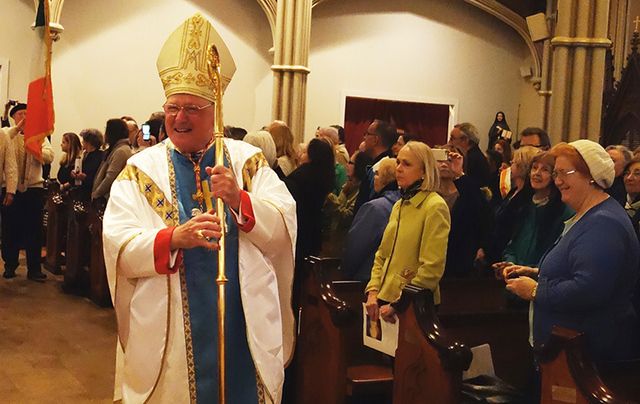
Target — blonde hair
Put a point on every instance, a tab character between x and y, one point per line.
387	170
283	138
431	180
523	158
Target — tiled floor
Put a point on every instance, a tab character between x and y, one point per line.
54	348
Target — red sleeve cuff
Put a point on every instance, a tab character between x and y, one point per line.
162	252
247	212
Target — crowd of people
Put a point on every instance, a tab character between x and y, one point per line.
560	224
528	212
399	212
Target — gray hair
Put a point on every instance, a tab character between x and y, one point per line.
92	136
330	133
263	140
624	150
470	131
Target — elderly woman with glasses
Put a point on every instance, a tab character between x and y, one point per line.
413	249
586	280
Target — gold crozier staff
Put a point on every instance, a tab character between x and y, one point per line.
213	65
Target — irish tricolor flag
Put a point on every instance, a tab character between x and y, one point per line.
40	116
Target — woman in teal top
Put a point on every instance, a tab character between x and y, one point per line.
413	249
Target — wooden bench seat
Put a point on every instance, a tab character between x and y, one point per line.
478	311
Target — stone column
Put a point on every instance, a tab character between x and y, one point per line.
290	66
579	46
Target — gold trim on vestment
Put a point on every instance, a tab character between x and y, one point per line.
186	318
152	193
251	167
168	214
188	340
262	392
120	251
166	343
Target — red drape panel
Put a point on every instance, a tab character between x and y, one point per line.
427	121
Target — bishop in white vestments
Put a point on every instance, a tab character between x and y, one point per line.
161	252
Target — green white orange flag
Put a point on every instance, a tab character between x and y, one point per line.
40	114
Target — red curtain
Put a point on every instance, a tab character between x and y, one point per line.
429	122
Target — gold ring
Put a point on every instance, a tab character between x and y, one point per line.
200	234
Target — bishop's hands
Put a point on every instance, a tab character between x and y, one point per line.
224	185
202	230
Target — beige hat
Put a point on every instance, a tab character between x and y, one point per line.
182	62
598	160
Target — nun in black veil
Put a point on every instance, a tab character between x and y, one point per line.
499	130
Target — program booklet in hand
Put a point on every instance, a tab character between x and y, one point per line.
380	335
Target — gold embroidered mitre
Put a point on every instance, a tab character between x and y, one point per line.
182	62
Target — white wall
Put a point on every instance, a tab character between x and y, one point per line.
16	41
104	63
436	49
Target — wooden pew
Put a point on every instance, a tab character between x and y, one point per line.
476	311
569	376
99	286
56	207
331	362
332	365
76	275
428	365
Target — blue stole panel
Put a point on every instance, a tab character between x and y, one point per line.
201	270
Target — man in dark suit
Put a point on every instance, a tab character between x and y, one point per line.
378	139
465	137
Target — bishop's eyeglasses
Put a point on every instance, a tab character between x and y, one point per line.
189	109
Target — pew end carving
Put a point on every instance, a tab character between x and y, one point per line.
76	274
428	363
331	362
569	375
56	233
98	283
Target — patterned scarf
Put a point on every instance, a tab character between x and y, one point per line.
632	207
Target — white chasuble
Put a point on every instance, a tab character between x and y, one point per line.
155	359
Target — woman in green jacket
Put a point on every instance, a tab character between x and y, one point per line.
413	249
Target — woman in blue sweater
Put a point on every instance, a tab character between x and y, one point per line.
586	281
